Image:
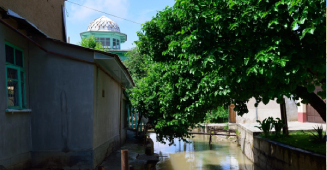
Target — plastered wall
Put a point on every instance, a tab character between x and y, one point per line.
15	128
45	14
61	95
264	111
108	116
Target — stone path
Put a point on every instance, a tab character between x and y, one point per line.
113	161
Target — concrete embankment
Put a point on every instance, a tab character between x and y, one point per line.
269	154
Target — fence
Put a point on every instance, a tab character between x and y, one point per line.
132	118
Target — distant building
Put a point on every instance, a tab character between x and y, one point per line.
107	32
302	113
271	109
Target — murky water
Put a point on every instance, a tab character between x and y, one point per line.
198	154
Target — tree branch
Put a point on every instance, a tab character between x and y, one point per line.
315	101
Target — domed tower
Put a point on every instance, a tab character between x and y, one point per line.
107	32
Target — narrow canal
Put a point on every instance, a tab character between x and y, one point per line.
198	154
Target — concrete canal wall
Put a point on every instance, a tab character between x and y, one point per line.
269	154
273	155
245	140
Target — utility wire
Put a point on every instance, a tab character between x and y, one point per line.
103	12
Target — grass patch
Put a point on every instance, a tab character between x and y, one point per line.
302	140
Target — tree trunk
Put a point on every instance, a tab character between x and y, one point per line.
284	117
138	124
315	101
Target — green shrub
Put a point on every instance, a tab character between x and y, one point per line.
90	42
278	124
320	136
217	115
266	125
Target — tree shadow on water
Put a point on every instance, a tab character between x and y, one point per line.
212	167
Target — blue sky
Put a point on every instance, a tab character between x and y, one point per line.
78	18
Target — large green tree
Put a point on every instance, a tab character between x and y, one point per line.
137	64
207	53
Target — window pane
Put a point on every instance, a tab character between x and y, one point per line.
19	58
102	41
12	73
114	43
107	41
10	54
13	93
118	45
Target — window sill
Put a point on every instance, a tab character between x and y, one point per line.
12	111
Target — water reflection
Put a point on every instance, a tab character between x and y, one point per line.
198	154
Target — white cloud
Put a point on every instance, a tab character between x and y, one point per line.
115	7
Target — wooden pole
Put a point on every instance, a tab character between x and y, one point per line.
284	116
124	159
210	139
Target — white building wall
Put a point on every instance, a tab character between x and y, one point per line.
272	109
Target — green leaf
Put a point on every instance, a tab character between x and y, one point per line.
302	20
239	79
248	71
246	61
261	70
283	63
311	88
294	24
307	30
275	21
322	94
311	30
